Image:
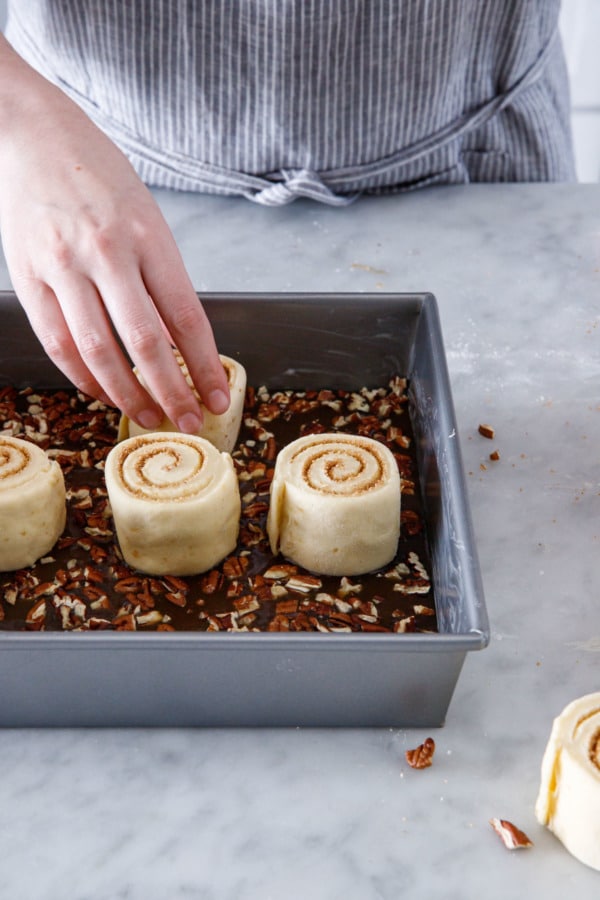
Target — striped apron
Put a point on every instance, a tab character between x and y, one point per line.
278	99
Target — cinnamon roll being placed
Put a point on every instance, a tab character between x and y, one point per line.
175	502
222	430
335	504
568	802
32	503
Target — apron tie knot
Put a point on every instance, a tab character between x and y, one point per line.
296	183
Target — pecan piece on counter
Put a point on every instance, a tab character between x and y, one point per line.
512	837
422	756
486	431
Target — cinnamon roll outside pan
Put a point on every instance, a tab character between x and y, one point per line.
32	503
175	503
221	430
335	504
568	801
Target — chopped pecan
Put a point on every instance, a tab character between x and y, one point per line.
422	756
128	585
411	522
303	583
323	597
282	571
311	604
512	837
175	583
301	622
246	603
85	580
101	603
176	598
98	553
268	412
371	626
37	613
343	606
10	595
286	607
92	593
212	582
124	622
257	508
346	587
227	621
95	623
45	587
251	535
93	574
235	589
341	620
264	592
235	566
144	596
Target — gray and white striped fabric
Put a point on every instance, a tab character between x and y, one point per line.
276	99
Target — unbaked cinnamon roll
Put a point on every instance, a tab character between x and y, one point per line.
335	504
221	430
175	503
569	797
32	503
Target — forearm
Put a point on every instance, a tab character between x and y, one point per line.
35	114
24	94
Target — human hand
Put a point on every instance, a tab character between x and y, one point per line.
91	257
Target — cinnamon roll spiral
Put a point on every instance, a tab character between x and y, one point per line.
335	504
175	502
569	797
32	503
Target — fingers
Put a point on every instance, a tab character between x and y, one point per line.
144	294
187	324
125	300
48	322
73	327
73	322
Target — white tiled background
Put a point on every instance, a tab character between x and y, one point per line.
580	23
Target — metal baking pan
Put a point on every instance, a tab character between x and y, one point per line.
272	679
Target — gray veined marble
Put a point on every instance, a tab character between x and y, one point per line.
245	814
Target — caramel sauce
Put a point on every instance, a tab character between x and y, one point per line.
84	584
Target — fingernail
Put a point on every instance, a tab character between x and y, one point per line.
218	402
189	423
149	419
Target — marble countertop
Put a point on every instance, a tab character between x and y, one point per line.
270	814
